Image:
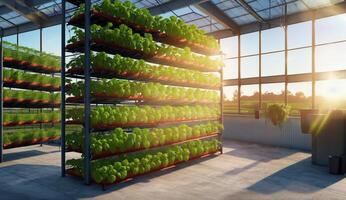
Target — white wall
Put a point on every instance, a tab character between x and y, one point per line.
249	129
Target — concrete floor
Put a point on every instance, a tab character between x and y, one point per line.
244	171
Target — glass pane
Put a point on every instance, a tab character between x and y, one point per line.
273	93
331	29
331	57
249	44
249	67
231	99
299	61
229	46
299	35
12	39
249	98
299	96
230	71
273	64
30	39
273	39
52	40
331	94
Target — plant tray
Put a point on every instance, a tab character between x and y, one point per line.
103	18
24	65
103	127
106	99
28	85
101	72
75	173
17	103
113	48
109	153
26	123
30	142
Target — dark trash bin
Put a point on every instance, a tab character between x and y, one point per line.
334	164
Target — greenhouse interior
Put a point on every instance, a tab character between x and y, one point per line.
173	99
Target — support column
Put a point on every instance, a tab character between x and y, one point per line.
87	126
62	106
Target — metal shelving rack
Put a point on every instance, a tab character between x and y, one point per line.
88	100
25	67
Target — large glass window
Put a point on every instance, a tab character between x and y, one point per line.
11	38
31	39
249	98
52	40
249	67
231	99
299	35
229	46
299	96
331	29
273	64
273	39
299	61
273	93
331	94
331	57
249	44
230	70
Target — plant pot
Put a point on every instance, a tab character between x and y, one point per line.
257	114
306	120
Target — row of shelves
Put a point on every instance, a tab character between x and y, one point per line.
102	45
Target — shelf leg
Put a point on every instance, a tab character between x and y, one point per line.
1	103
87	124
62	106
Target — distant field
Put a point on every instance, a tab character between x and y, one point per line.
249	106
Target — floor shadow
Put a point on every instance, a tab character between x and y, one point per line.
25	181
25	154
257	153
301	177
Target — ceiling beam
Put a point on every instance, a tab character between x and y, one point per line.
319	13
22	7
172	5
30	26
4	9
222	34
219	16
250	10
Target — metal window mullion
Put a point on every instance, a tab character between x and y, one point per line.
286	55
313	61
260	67
239	68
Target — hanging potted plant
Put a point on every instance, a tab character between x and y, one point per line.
277	113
